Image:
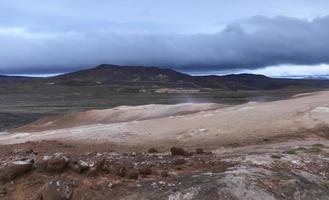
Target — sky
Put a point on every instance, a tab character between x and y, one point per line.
271	37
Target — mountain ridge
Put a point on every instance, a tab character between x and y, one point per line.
142	77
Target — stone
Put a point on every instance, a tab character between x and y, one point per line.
74	166
83	165
56	190
145	171
180	161
14	170
121	171
177	151
3	192
56	164
96	167
152	150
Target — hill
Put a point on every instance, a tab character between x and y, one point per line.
112	75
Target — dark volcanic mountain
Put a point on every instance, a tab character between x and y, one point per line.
113	75
153	77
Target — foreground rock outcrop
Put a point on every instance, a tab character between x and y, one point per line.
287	170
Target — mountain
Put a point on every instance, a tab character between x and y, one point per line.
154	77
127	75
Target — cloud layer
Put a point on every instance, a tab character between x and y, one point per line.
255	43
84	40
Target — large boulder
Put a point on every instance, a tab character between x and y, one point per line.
14	170
54	163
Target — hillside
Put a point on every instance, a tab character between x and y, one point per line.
154	77
113	75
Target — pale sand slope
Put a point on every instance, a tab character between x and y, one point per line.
222	125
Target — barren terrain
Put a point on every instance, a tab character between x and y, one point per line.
184	124
191	151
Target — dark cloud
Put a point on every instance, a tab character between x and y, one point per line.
249	44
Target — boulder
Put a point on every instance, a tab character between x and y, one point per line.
96	167
177	151
180	161
56	164
74	166
83	165
14	170
145	171
56	190
152	150
121	171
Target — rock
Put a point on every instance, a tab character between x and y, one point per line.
164	173
96	167
14	170
22	151
180	161
3	192
83	165
132	174
56	164
74	166
177	151
56	190
41	165
115	169
121	171
145	171
152	150
199	151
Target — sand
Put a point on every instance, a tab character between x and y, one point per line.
189	124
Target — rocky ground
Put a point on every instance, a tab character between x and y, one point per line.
52	170
257	150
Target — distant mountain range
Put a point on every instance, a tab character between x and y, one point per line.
135	76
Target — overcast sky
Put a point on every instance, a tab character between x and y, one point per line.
287	37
